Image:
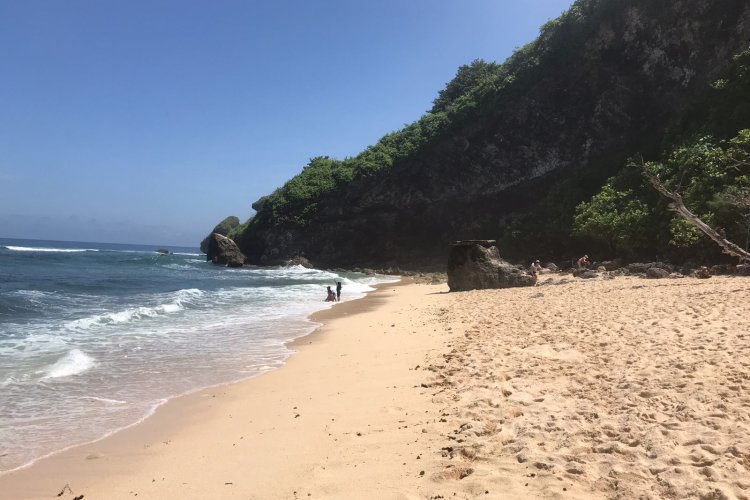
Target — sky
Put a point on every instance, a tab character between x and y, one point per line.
149	121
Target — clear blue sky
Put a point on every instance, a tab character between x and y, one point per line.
149	121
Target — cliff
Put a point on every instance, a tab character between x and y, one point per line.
541	132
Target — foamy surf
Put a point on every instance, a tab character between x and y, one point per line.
180	300
106	400
121	317
42	249
89	341
73	363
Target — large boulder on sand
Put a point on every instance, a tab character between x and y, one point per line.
612	265
702	273
585	274
657	273
476	264
638	267
224	251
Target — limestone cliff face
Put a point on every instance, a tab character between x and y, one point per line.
588	106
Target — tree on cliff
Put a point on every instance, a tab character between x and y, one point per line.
468	77
715	181
616	218
709	168
709	176
678	206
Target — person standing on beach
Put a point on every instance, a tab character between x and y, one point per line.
330	296
338	291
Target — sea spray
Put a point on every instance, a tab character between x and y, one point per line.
72	363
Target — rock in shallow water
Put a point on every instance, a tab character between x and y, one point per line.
224	251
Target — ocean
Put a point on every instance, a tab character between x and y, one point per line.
94	337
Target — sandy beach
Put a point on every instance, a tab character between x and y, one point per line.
608	388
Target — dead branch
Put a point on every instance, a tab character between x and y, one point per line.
679	207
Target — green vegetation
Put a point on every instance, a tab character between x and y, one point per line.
605	207
713	178
707	162
708	167
227	225
725	108
468	77
296	203
477	88
615	218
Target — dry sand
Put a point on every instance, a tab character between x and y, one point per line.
621	388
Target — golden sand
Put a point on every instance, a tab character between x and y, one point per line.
619	388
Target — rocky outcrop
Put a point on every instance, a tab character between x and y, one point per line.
657	273
612	265
584	273
476	264
644	268
300	261
702	273
221	250
221	228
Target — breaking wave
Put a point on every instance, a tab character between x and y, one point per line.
73	363
40	249
181	299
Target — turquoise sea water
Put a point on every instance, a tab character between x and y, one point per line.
93	337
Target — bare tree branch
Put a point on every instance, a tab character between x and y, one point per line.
679	207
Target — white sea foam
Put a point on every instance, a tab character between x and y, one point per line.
152	345
32	345
295	272
188	294
31	293
180	299
126	316
180	267
106	400
73	363
38	249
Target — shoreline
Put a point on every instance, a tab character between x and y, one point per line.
315	323
170	407
587	389
86	360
